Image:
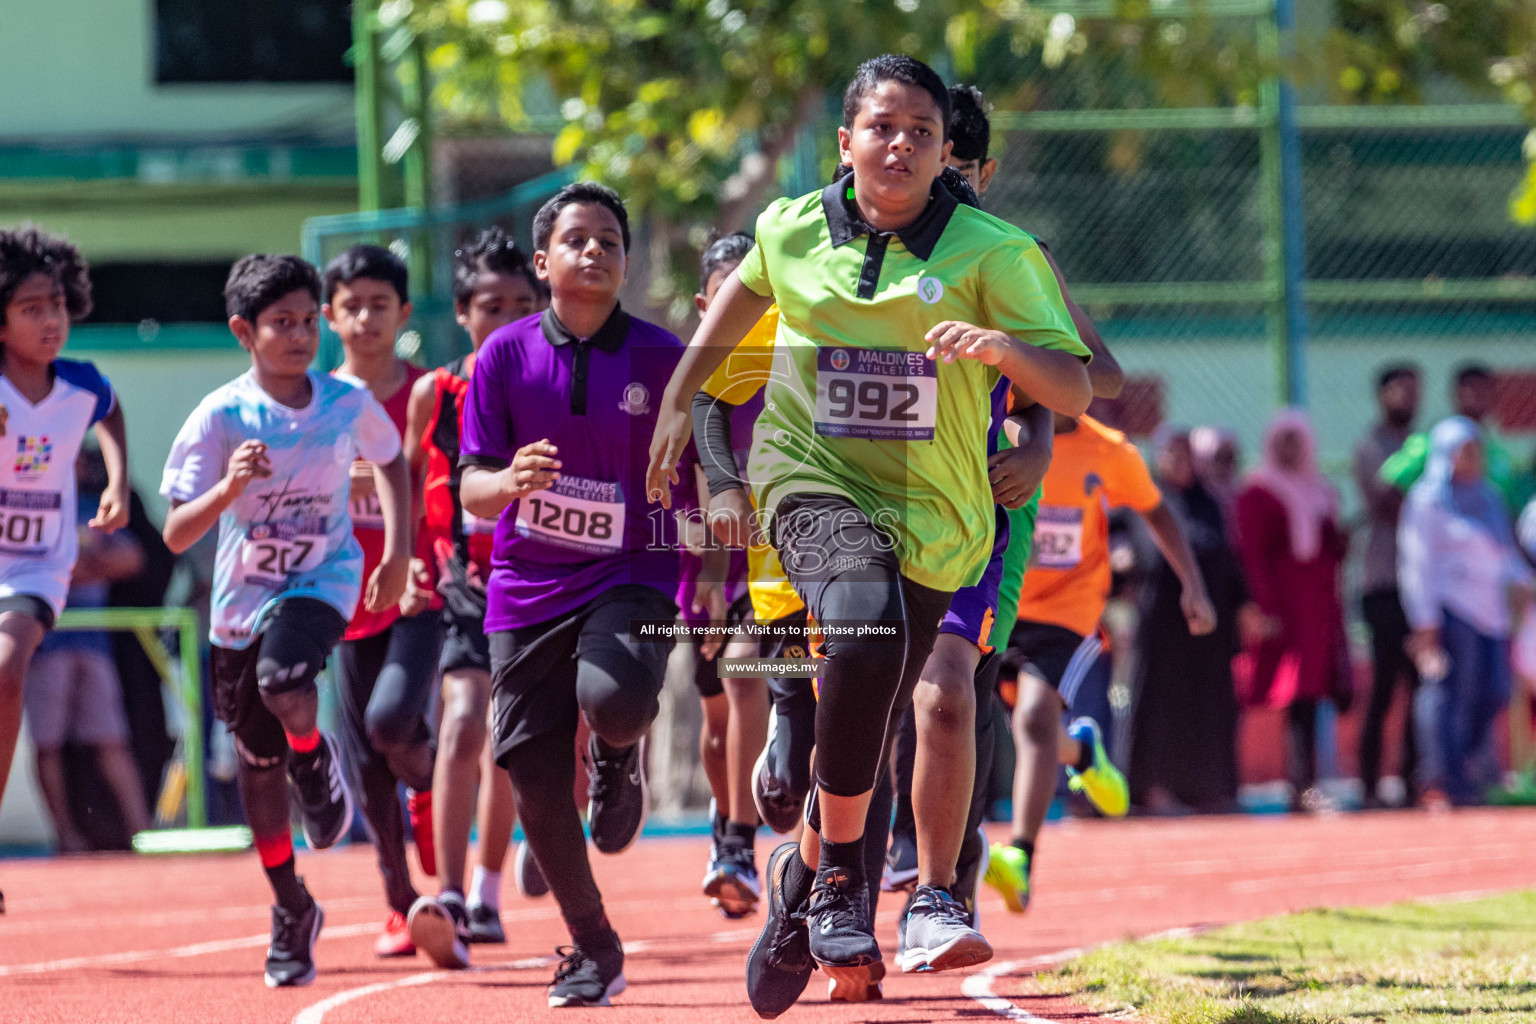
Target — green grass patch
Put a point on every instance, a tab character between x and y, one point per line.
1409	963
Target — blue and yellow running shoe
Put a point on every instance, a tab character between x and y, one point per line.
1102	783
1008	873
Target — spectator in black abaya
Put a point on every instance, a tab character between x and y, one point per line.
1183	733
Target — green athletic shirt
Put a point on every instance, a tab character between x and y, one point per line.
853	406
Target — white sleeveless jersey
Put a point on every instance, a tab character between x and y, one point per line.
289	535
39	520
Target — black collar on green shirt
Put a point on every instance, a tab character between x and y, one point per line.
921	237
609	338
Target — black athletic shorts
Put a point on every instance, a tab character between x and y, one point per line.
1054	654
299	631
706	671
27	604
537	671
464	642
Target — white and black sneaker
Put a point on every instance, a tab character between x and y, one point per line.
440	928
588	975
900	871
617	797
321	793
291	953
936	934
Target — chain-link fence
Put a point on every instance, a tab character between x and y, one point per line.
426	240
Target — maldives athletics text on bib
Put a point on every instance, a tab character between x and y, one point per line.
876	393
586	515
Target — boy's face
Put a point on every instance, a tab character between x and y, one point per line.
366	314
585	261
498	299
703	300
285	336
978	172
36	320
896	145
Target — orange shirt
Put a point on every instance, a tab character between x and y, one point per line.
1093	470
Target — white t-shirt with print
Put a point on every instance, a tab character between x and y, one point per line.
289	535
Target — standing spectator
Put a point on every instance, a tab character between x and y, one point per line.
1218	458
1458	568
72	688
1292	549
1397	394
1473	394
1184	729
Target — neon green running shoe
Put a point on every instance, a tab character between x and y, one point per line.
1102	784
1008	873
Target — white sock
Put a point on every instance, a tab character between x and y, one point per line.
485	888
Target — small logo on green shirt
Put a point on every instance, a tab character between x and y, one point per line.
930	289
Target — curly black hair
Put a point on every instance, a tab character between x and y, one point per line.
491	251
724	253
969	129
257	281
26	251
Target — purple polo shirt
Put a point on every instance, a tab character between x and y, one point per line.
596	401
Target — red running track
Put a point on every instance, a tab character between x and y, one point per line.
138	940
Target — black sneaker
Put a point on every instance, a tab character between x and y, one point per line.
937	935
779	965
440	928
485	925
617	797
588	976
525	872
900	863
320	790
777	808
837	922
291	953
731	881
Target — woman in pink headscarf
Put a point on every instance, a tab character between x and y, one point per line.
1292	549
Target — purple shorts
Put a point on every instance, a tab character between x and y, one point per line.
973	611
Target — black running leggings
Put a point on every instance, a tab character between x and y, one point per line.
847	572
386	682
543	677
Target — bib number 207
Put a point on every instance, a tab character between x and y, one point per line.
279	559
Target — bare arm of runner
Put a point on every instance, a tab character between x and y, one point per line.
1055	378
1104	373
387	584
487	492
418	587
187	521
733	313
112	435
1170	539
1016	472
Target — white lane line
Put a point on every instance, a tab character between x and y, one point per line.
315	1014
978	986
133	956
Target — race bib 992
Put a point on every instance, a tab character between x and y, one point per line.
875	393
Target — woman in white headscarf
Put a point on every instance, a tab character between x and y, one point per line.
1292	549
1458	570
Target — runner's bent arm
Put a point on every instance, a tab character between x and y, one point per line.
733	313
1056	378
112	435
393	480
188	521
1104	373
